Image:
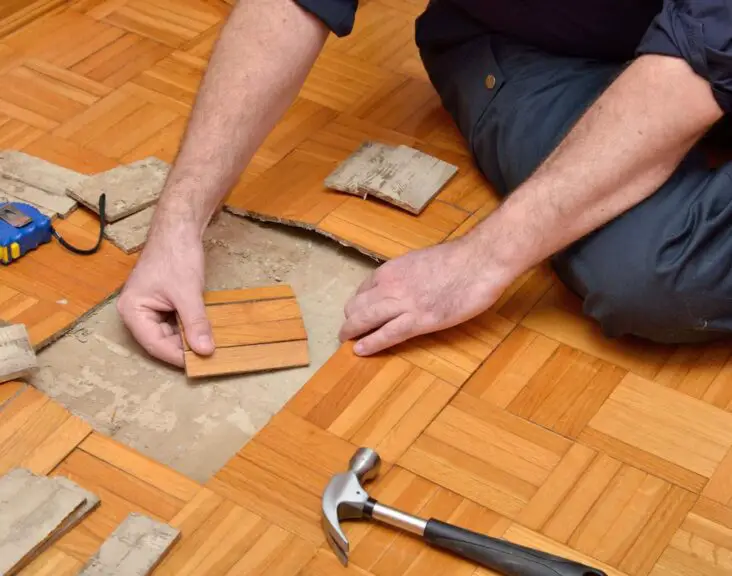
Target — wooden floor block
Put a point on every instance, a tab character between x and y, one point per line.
17	358
136	547
35	511
128	189
254	330
130	234
401	176
371	226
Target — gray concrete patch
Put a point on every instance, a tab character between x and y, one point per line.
100	374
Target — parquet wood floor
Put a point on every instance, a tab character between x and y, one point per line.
524	423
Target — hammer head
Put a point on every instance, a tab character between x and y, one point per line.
345	498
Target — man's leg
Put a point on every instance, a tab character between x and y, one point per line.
662	270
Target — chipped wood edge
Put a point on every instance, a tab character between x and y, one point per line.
379	258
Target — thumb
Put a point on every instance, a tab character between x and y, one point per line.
196	326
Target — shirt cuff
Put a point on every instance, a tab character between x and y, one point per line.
338	15
700	32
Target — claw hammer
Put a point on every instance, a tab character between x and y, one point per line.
346	499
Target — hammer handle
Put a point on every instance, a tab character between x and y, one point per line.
501	556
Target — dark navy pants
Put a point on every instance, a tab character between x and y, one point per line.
661	271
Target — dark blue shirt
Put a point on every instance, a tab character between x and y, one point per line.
699	31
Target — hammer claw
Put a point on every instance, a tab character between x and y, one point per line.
341	554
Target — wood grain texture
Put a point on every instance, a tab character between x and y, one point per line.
524	423
254	330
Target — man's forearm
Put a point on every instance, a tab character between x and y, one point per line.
258	66
620	152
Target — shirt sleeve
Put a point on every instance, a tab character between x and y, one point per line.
338	15
700	32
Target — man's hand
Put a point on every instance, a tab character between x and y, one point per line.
423	291
257	68
168	278
620	152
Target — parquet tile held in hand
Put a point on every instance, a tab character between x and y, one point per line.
255	329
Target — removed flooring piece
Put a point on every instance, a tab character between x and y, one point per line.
17	357
25	178
399	175
130	234
135	548
129	189
254	330
34	512
38	173
47	204
293	192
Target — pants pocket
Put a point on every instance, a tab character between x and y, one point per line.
459	60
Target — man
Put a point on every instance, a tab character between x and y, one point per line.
590	114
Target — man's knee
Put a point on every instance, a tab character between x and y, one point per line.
646	304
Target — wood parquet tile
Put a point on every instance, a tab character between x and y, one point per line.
524	423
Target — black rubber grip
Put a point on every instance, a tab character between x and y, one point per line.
501	556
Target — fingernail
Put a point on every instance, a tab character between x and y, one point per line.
358	348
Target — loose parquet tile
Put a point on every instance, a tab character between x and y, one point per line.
255	329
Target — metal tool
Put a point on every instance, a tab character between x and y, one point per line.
24	228
346	499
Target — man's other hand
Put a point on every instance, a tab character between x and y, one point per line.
168	278
422	292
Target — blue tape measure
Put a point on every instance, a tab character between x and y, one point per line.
23	228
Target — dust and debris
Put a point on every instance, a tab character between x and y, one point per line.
102	375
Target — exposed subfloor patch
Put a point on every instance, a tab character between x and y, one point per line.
100	373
